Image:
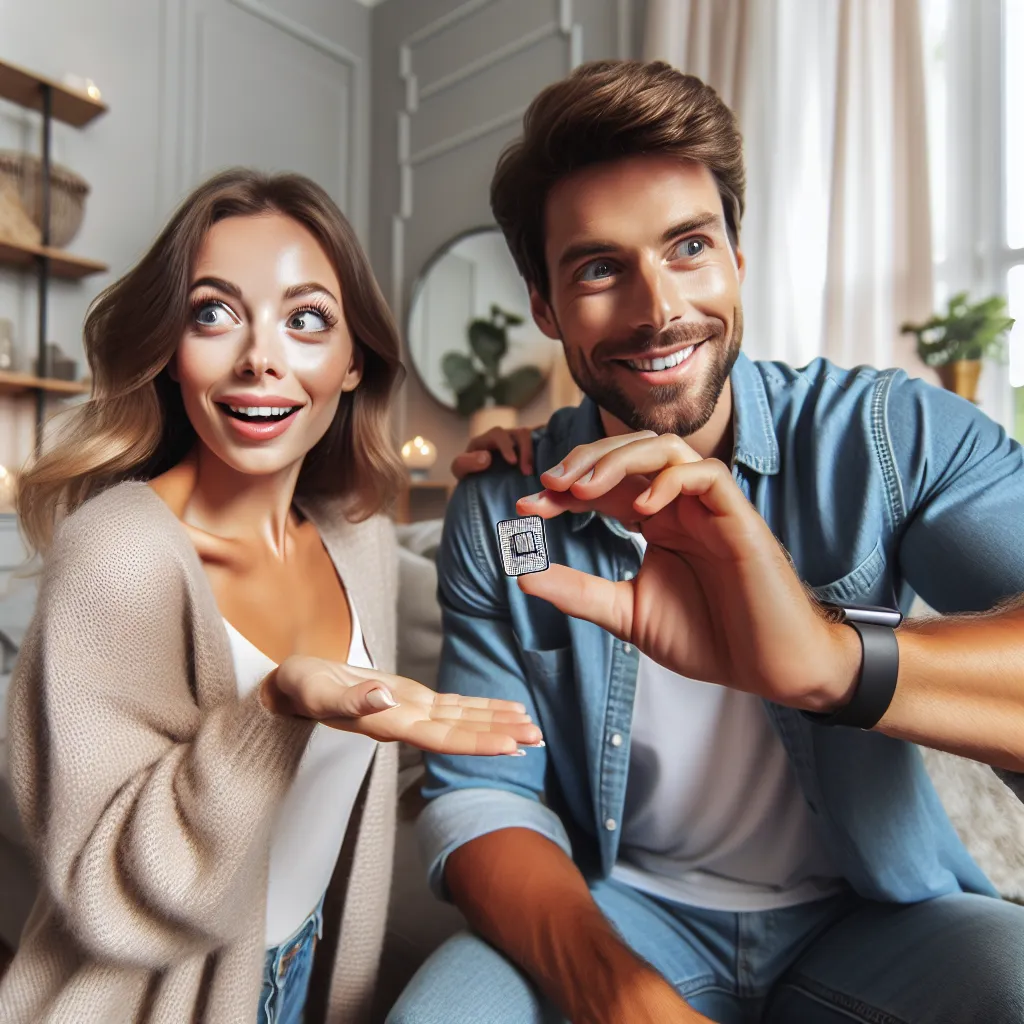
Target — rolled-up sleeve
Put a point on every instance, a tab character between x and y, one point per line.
472	796
960	482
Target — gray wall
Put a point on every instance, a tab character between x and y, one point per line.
192	86
451	79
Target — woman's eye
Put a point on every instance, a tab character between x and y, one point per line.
213	314
307	320
597	271
691	247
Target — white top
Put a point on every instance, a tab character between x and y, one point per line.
714	815
311	821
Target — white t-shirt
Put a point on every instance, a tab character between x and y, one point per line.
714	814
310	823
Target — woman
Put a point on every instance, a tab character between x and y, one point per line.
219	583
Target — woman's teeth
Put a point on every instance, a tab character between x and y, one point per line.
256	412
663	363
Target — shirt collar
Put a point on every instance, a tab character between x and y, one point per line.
755	445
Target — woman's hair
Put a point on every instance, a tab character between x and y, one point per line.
604	111
135	426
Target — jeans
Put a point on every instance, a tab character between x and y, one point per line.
286	972
956	959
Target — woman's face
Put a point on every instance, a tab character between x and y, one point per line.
266	355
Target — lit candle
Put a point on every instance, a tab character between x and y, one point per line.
419	455
7	490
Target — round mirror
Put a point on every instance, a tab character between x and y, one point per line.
471	337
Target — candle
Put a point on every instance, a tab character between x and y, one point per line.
419	455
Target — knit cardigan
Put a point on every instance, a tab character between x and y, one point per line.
148	788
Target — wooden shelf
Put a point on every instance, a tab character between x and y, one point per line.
17	383
23	87
62	264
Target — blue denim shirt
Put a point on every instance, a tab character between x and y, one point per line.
878	485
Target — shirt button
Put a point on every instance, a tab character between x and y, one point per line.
616	739
609	823
627	575
627	648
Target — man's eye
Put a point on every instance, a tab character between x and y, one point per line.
691	247
597	271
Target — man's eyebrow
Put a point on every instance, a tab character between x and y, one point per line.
597	247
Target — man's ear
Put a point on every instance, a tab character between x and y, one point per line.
741	264
355	370
543	316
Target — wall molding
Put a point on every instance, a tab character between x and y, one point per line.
183	93
562	25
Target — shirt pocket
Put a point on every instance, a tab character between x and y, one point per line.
866	584
550	667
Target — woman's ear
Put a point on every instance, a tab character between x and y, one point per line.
355	370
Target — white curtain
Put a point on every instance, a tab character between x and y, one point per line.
830	98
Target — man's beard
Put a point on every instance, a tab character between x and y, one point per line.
669	408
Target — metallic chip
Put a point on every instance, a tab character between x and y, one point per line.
522	545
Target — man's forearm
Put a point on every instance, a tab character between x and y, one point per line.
525	896
961	686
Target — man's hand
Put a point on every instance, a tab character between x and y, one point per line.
716	598
514	445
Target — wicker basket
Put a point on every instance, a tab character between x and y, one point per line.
67	193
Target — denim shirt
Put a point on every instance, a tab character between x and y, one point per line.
878	485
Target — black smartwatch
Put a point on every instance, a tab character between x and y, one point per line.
879	667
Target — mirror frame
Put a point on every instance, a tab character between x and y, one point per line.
417	286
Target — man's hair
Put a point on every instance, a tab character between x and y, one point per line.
603	111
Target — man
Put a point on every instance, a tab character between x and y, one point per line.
699	840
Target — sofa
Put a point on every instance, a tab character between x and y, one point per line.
988	817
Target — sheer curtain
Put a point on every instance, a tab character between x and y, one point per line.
830	98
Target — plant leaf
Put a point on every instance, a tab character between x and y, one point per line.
518	387
488	342
472	396
458	370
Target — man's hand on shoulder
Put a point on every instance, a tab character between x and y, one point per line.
515	447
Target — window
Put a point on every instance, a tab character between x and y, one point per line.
975	97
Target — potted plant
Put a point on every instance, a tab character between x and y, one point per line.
481	391
956	342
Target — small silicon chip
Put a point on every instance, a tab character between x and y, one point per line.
522	545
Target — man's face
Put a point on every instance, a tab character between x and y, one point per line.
645	290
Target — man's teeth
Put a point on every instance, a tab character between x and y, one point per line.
261	410
663	363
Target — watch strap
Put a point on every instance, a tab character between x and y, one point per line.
876	682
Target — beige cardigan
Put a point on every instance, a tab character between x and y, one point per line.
148	788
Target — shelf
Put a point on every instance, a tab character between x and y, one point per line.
16	383
23	87
62	264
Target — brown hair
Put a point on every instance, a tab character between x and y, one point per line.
135	424
606	110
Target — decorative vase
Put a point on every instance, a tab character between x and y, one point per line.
961	377
492	416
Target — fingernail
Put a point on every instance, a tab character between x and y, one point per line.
517	753
539	743
643	498
532	497
381	700
586	477
482	457
558	470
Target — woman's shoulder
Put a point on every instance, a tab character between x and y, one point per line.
123	524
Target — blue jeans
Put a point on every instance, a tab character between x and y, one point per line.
956	959
286	972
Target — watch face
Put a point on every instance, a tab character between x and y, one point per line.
522	545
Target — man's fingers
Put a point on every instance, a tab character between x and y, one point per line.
645	456
709	480
524	442
606	604
470	462
583	458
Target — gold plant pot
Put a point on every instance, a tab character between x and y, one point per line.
961	377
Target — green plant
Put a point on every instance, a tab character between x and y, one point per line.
475	378
965	331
